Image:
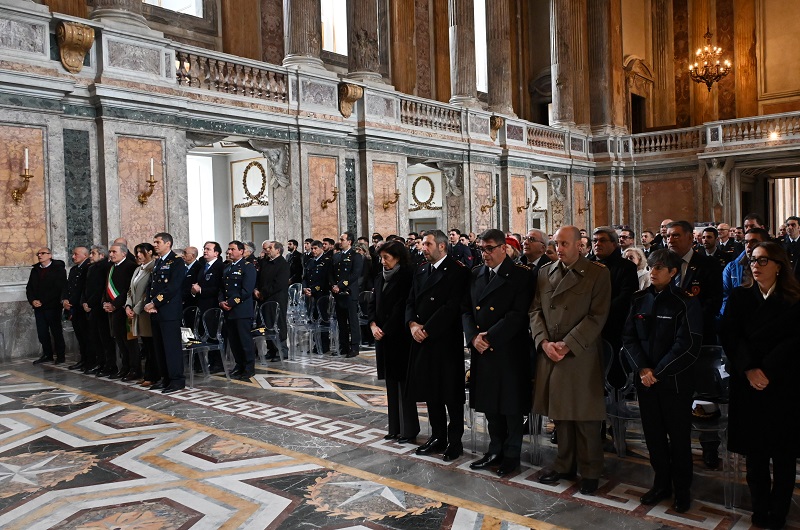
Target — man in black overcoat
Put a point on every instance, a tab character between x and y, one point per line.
273	286
347	268
495	323
101	345
433	314
45	284
71	302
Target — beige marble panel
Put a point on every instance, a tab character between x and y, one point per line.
384	184
140	222
483	195
23	226
579	204
667	199
600	213
322	177
519	219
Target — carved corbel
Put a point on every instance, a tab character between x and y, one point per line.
495	124
348	95
74	41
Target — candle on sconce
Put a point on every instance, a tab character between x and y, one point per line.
151	167
26	159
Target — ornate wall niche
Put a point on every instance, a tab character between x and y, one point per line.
639	80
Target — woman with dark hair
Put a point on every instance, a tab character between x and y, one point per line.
140	319
759	333
393	338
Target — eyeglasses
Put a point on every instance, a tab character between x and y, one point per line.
532	240
601	240
763	261
42	253
487	249
625	237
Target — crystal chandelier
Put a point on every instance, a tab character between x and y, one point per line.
707	67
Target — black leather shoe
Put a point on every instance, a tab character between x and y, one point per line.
552	477
94	370
554	437
119	375
406	438
391	436
106	373
452	451
245	376
433	445
131	376
589	486
77	366
711	459
274	359
682	503
351	355
59	360
237	372
508	466
655	495
43	359
488	460
170	389
760	520
216	369
158	386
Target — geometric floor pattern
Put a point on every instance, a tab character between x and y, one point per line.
70	458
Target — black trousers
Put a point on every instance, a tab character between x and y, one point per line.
80	325
238	334
48	322
169	351
440	428
403	417
100	341
505	434
349	329
130	359
107	355
667	425
149	356
772	496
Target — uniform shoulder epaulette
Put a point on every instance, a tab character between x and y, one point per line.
459	263
475	267
598	264
522	266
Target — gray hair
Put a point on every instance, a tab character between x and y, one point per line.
122	247
438	236
277	245
610	232
100	249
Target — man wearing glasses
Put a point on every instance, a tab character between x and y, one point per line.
533	247
791	242
627	239
45	284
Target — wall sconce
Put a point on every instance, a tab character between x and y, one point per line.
527	205
583	210
387	202
326	202
17	193
486	207
151	186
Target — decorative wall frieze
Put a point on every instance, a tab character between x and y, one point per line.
74	41
453	178
348	95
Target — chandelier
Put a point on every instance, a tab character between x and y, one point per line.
707	68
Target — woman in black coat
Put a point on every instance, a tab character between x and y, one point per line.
393	339
759	331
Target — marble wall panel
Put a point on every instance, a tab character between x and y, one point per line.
23	226
272	31
579	212
519	195
384	184
136	58
78	188
23	36
139	222
350	194
600	211
666	198
322	177
423	38
625	205
482	194
724	37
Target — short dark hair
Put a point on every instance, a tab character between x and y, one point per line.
712	230
439	237
217	247
328	240
761	232
793	218
494	235
397	250
165	237
664	258
686	226
349	235
376	235
144	248
416	235
648	232
315	242
294	242
309	240
752	216
238	244
456	230
633	234
277	245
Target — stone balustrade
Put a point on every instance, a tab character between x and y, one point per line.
207	70
759	128
429	115
543	137
666	141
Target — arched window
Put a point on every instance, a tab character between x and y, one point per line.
187	7
480	46
334	26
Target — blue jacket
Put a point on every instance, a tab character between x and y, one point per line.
166	281
238	283
731	278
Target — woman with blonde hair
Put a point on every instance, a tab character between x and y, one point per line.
636	255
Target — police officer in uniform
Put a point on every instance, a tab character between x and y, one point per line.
347	269
164	303
236	300
315	284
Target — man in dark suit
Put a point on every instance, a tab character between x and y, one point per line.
45	285
205	292
458	250
711	247
71	302
273	281
660	241
193	269
728	245
316	286
495	323
295	261
533	247
119	281
165	306
345	272
791	243
101	345
436	373
236	300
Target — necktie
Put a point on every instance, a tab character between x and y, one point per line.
492	274
208	266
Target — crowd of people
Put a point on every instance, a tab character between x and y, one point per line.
536	313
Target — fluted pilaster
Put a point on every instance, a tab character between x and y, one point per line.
580	49
561	63
363	60
124	11
304	33
607	106
463	80
701	19
498	31
744	57
404	62
663	39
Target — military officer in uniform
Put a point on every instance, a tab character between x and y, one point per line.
236	300
315	284
71	301
495	323
164	303
346	270
573	297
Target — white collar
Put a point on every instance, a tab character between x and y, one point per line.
436	265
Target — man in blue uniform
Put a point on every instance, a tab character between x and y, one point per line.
347	268
164	304
236	300
315	285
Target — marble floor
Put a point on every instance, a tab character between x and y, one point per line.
299	446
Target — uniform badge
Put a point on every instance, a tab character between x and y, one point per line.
317	287
345	283
160	298
237	300
695	290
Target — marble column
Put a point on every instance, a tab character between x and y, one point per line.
303	30
663	44
363	61
578	10
701	19
124	11
744	57
404	51
498	32
561	63
463	77
606	105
